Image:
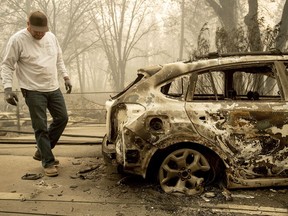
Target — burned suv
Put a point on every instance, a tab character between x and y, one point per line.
188	124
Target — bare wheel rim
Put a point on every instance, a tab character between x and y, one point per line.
183	171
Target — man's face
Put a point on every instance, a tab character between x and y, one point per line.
38	35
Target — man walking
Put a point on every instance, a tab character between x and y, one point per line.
36	57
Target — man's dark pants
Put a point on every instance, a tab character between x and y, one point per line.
46	137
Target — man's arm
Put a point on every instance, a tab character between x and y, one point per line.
60	62
10	59
62	69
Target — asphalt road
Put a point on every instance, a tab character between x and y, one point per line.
86	186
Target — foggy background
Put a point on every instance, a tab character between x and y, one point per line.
104	42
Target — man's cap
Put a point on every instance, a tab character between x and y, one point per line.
38	21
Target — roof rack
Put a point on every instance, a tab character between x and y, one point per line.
217	55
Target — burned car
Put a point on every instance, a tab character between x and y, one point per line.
189	124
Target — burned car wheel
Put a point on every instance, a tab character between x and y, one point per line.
183	171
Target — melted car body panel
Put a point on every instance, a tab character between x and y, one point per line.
247	127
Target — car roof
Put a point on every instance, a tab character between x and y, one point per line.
255	53
171	70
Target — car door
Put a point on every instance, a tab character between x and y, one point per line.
242	111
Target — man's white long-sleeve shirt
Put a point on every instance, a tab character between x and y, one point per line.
36	62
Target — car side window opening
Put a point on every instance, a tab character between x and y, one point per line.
256	86
242	83
176	88
209	86
256	83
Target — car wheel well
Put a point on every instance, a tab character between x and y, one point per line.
218	167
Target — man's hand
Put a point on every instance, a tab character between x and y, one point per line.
68	85
10	96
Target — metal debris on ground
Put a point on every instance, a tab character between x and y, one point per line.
122	180
32	176
85	173
88	169
242	196
227	194
76	162
73	186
